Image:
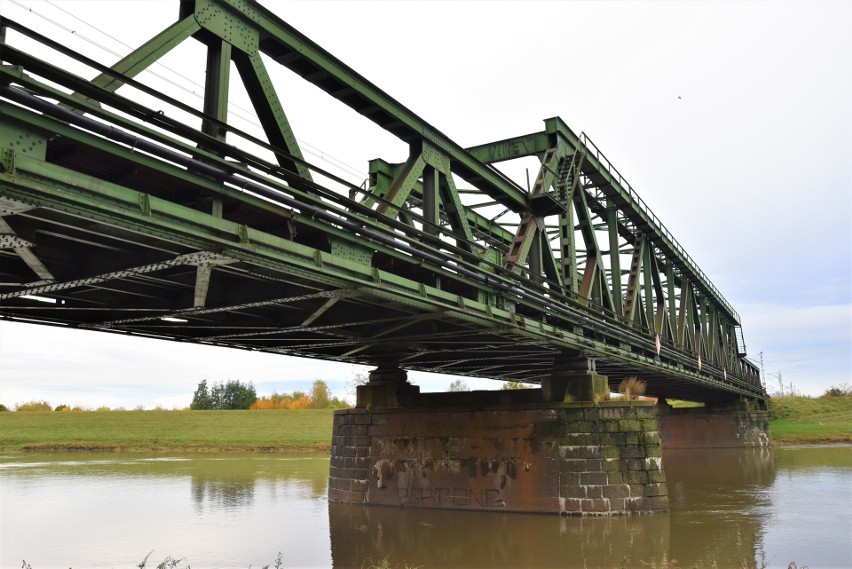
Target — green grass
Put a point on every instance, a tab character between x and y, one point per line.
804	420
303	429
793	420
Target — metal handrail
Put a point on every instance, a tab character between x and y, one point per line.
613	171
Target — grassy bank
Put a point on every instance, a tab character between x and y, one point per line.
793	420
799	420
304	429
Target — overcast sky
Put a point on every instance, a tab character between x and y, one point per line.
733	121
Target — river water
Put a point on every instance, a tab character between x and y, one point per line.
734	508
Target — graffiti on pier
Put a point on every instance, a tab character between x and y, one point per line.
461	483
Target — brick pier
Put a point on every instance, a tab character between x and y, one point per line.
480	451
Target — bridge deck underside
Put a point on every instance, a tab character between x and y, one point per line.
123	277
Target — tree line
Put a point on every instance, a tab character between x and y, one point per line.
235	394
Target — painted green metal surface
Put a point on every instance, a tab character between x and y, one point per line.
128	219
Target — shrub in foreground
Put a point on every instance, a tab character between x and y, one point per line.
632	387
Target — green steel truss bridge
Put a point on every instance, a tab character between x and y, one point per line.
124	210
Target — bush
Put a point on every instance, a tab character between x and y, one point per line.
297	400
512	385
3	408
842	390
33	406
320	398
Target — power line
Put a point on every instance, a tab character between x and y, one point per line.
245	114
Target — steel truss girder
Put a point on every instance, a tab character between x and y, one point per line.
477	296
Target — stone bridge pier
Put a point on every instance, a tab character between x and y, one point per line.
558	449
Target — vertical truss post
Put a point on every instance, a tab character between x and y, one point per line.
568	248
647	282
684	319
671	326
431	206
614	257
216	88
632	295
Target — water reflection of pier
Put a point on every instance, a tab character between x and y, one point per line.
440	538
697	480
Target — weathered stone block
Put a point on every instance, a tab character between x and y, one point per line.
363	419
595	505
633	451
616	491
635	477
591	414
581	439
628	425
584	426
656	477
580	451
651	438
571	505
573	491
593	478
569	479
652	464
574	465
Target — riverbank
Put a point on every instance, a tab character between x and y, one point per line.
804	420
793	420
155	431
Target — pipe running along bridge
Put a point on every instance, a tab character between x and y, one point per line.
127	211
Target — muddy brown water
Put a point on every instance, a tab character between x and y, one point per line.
734	508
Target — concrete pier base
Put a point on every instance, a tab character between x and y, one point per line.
501	451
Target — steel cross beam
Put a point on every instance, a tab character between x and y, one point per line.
130	209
